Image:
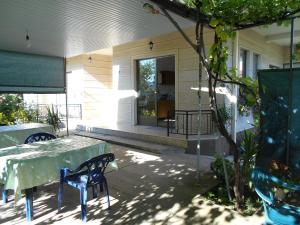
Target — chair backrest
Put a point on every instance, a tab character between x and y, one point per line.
96	166
39	137
264	181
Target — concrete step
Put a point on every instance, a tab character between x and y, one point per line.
133	143
147	137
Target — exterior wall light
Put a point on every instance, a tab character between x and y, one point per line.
151	44
27	38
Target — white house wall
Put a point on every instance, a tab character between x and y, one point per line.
186	70
109	82
270	54
95	85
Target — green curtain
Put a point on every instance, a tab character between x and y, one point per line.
280	117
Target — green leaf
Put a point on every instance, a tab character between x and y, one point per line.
214	23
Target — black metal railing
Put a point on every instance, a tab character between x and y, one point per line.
185	122
74	110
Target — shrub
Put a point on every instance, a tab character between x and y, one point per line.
13	111
218	169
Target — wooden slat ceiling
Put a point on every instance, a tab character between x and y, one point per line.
72	27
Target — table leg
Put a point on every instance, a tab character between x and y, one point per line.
4	196
29	204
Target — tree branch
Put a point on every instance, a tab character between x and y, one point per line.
179	28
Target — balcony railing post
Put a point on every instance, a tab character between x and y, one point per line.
37	113
187	124
80	106
168	124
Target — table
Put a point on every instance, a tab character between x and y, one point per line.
29	165
16	134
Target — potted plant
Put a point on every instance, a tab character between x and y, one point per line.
53	119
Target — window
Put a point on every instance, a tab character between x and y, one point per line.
256	62
243	62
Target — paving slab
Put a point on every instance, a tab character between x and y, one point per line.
146	189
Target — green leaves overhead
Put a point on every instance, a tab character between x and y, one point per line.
225	18
243	13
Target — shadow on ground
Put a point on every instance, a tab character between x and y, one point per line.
147	189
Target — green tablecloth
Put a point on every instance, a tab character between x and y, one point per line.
25	166
16	134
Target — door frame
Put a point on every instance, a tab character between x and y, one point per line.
152	54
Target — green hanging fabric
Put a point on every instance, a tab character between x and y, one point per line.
280	117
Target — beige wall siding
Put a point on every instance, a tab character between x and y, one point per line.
186	71
271	54
95	84
124	57
109	82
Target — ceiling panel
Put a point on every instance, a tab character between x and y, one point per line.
280	34
72	27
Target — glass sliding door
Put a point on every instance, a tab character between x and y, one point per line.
146	85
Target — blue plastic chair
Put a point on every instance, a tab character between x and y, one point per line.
39	137
88	174
276	212
42	136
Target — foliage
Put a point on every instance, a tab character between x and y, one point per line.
250	148
224	113
30	114
218	195
218	169
146	72
297	52
53	118
13	110
225	17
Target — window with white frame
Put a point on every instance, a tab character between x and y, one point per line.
244	62
256	64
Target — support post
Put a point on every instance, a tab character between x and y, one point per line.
66	93
187	125
168	125
290	103
199	115
235	64
67	113
226	178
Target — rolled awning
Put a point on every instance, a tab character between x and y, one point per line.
30	73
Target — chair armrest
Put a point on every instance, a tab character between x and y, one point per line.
64	172
276	180
264	197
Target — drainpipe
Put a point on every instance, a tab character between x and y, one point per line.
235	64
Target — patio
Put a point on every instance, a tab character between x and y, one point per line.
147	189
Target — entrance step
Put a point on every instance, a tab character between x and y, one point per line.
142	145
155	139
149	134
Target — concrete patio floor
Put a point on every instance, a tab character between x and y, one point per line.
146	189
